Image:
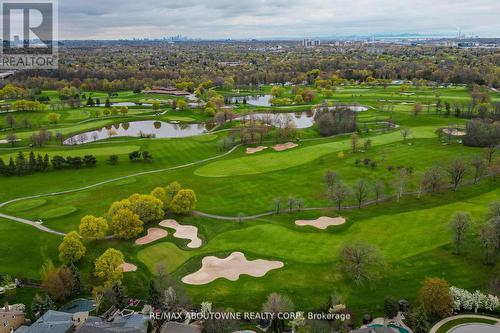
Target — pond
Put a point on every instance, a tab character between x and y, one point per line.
299	119
352	107
255	100
145	128
120	104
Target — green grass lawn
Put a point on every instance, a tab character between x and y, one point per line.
460	321
413	235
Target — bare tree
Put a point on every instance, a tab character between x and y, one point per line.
378	188
494	210
433	179
405	133
459	226
457	169
338	194
489	152
11	122
361	191
11	138
276	304
400	183
277	204
490	243
354	142
361	261
330	177
479	165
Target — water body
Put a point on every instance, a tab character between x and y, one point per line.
299	119
120	104
255	100
146	128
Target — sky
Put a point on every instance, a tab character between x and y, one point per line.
243	19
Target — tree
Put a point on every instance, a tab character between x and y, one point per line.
134	156
435	298
108	267
459	226
416	319
432	180
489	152
161	194
378	188
276	304
155	106
405	133
78	287
490	243
10	121
417	109
53	117
154	295
113	159
89	160
71	249
354	142
147	207
330	178
119	297
59	284
361	192
11	138
126	224
183	202
172	189
116	206
457	169
361	261
93	227
391	307
479	166
182	104
338	194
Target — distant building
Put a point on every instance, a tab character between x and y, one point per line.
11	318
311	43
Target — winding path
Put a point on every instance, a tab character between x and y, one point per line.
55	232
119	178
445	320
33	224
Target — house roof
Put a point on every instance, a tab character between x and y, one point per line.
174	327
136	323
51	322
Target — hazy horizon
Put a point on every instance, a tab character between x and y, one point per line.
271	19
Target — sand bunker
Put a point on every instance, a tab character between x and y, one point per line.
255	150
128	267
185	232
454	132
322	222
285	146
230	268
153	235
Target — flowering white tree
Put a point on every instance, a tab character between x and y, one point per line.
463	299
206	308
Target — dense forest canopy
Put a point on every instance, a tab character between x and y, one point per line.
115	65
